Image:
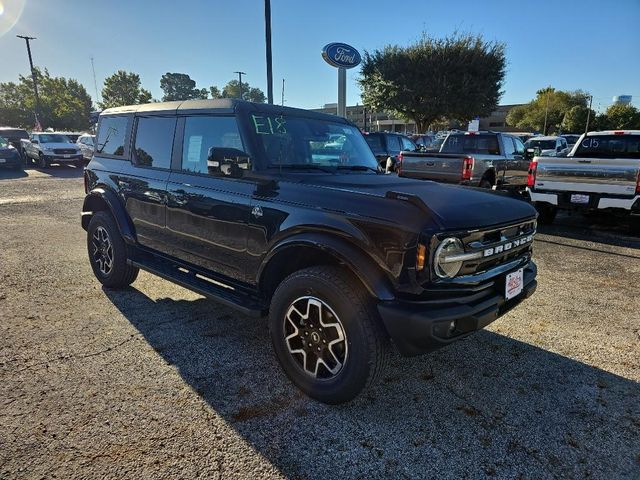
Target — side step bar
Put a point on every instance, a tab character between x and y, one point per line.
197	281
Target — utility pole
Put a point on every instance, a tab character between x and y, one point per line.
282	92
33	76
546	114
586	128
240	82
95	83
267	31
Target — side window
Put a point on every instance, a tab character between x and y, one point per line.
154	141
519	146
393	144
111	134
509	147
407	145
204	132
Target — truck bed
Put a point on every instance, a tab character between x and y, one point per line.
440	167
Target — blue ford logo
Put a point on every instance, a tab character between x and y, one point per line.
341	55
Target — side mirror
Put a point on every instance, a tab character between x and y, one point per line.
229	162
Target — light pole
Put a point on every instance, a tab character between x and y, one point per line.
267	32
240	82
546	114
586	128
33	76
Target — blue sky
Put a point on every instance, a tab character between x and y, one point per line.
586	44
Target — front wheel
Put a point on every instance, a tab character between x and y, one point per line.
326	334
42	162
108	252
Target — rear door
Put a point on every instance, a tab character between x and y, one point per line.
516	167
144	185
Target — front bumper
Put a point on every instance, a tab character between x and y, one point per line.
422	326
56	158
11	162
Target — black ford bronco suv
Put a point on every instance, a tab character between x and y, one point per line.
261	208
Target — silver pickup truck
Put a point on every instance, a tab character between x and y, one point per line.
601	173
47	148
482	159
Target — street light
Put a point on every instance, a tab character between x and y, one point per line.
240	82
33	76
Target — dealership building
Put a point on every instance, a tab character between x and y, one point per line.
372	121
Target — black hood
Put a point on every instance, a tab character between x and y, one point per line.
454	207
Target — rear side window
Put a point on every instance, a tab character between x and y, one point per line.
408	145
609	146
154	141
480	144
111	135
393	144
203	132
375	143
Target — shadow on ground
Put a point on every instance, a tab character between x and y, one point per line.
60	171
601	228
489	405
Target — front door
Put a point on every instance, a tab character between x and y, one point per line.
208	210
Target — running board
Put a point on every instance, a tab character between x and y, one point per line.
199	282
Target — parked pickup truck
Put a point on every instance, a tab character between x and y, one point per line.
602	172
48	148
284	213
482	159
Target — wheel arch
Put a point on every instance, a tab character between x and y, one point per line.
102	199
310	249
490	175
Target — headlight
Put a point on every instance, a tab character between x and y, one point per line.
449	257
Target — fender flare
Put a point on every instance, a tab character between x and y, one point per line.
114	206
361	264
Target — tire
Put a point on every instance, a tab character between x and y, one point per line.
484	183
42	162
546	213
108	253
79	163
353	345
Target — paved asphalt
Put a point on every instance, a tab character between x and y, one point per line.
158	382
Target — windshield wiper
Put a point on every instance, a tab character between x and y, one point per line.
301	166
358	168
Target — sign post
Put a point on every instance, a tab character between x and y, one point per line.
341	56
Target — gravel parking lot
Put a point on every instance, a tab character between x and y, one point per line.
159	382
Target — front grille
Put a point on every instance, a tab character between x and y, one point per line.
498	245
64	151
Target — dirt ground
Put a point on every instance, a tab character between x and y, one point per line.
159	382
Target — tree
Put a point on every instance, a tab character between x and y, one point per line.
575	119
123	88
619	117
550	103
457	78
64	103
179	86
232	90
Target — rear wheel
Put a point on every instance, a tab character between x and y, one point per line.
546	213
484	183
108	252
326	333
79	163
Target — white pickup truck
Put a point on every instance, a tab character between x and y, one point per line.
601	173
48	148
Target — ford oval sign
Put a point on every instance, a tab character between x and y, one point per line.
341	55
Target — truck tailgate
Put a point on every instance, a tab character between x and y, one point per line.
433	166
616	176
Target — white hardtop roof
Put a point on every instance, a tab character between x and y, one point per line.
540	137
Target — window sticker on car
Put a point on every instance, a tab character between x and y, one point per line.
265	125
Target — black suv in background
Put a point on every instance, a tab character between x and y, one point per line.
284	213
13	136
387	147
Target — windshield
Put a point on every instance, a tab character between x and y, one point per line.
304	142
53	138
541	144
609	146
3	142
571	139
481	144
